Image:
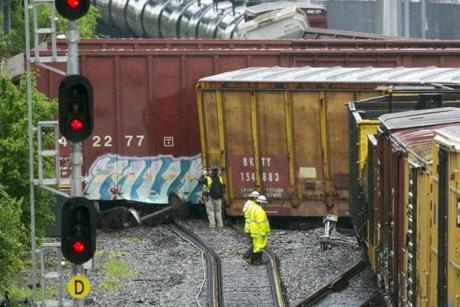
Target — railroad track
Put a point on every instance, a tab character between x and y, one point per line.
213	268
344	290
241	284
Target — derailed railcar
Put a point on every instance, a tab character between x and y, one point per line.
443	281
402	225
283	131
363	122
146	104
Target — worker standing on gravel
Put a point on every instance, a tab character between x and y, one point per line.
213	192
259	230
246	211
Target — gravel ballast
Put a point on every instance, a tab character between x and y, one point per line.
152	266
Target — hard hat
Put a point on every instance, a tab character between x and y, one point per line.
254	194
261	199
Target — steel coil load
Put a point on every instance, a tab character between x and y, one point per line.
208	23
198	19
192	17
229	24
151	17
117	14
134	11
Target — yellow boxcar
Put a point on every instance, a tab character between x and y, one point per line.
401	218
290	143
444	280
284	131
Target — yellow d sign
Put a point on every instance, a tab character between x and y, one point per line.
78	287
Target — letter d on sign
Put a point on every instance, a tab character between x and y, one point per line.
79	287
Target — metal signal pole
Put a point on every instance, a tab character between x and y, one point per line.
31	151
76	150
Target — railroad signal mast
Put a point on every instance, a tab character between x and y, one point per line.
78	229
78	232
72	9
76	108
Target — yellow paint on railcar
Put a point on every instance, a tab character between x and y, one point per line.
424	224
289	143
365	127
448	139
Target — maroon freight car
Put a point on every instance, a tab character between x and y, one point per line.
199	44
163	120
404	141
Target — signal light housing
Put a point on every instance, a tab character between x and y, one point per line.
72	9
76	108
78	230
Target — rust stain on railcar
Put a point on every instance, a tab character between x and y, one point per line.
405	136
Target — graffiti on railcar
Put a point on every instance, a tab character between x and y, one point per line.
144	179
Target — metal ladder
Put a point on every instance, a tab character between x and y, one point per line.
41	60
52	275
41	129
40	35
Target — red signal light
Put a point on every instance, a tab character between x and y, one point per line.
78	247
76	124
73	3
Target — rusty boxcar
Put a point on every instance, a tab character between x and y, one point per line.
283	131
407	226
145	102
363	121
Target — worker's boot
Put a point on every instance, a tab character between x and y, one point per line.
257	259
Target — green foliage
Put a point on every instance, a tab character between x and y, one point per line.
19	294
14	42
14	154
114	273
14	157
11	238
118	269
85	25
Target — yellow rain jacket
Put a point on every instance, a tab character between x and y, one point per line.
247	214
259	227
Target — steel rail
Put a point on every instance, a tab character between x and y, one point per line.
276	284
336	285
278	290
213	265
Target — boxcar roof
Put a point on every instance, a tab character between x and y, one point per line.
307	74
414	130
449	137
419	118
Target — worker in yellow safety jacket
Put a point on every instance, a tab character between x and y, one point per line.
212	193
246	212
259	229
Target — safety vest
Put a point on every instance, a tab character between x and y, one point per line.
209	181
258	224
247	211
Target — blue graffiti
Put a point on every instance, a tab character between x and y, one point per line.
144	179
